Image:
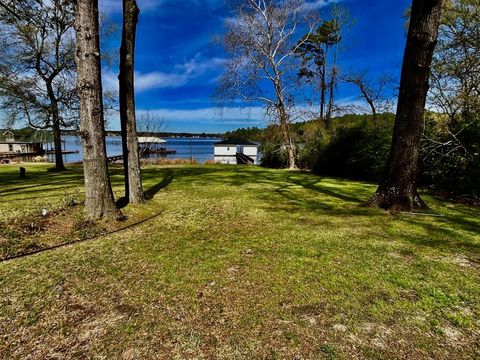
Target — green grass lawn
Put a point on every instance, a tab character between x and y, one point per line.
243	263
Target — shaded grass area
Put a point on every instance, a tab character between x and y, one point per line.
244	263
45	210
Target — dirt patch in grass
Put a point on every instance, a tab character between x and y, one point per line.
32	233
465	261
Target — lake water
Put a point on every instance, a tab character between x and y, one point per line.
200	149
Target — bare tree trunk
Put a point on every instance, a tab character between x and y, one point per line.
99	200
333	79
287	138
284	126
57	140
57	133
328	118
323	92
398	191
374	111
131	159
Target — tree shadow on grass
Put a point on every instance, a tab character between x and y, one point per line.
280	195
36	197
443	233
29	185
152	191
312	185
35	189
122	202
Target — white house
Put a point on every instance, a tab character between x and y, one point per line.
11	147
236	151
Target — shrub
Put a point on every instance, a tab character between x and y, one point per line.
273	156
452	163
167	161
357	152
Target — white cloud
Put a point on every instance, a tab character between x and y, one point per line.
228	115
318	4
115	6
181	75
232	117
235	114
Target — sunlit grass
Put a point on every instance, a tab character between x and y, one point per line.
246	263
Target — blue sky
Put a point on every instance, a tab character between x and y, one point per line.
177	61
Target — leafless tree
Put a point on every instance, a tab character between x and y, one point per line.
37	66
150	123
341	21
374	92
261	41
99	200
455	82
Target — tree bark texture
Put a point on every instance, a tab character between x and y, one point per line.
333	80
284	126
131	159
323	92
99	202
398	191
57	132
292	165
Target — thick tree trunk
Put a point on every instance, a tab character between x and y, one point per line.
57	133
397	191
131	159
99	202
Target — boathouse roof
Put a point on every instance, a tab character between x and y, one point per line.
150	140
235	142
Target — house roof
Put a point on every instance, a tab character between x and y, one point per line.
19	142
235	142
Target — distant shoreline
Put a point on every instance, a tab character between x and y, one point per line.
116	133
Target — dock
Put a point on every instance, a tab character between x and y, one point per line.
110	159
159	151
11	155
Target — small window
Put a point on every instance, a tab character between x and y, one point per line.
228	148
10	147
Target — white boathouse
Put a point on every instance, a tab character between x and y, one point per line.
236	151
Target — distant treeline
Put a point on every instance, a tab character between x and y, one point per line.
171	134
30	134
168	134
299	129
